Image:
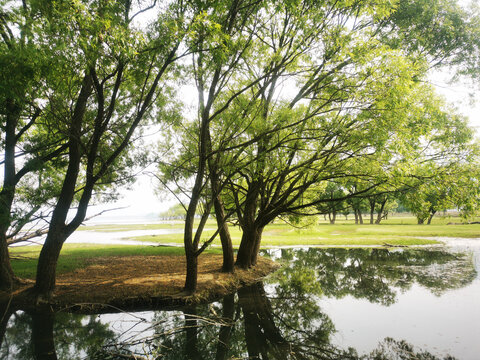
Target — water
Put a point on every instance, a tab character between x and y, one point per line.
323	304
112	237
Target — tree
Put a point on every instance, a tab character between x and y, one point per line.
111	84
175	212
219	44
355	102
336	116
31	154
332	192
444	187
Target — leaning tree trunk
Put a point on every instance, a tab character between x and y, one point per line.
380	212
225	238
432	214
256	249
57	231
47	264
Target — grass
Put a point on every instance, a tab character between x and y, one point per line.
73	256
396	231
399	230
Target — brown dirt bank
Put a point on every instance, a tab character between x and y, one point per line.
140	282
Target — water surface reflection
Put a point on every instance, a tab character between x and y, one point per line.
284	317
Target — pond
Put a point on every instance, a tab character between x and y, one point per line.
322	304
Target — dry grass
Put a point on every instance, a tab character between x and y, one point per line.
145	281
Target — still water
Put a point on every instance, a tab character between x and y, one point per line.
323	304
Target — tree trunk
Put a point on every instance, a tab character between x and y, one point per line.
245	249
225	332
360	217
8	281
380	212
7	277
42	336
332	217
356	216
258	239
372	210
225	238
245	256
432	214
47	265
249	246
192	272
57	231
420	221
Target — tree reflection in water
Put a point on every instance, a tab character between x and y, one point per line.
372	274
279	319
50	336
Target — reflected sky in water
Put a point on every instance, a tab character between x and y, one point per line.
323	304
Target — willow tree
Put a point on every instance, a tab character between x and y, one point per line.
220	42
347	99
113	81
30	157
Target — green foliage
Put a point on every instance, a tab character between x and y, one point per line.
442	188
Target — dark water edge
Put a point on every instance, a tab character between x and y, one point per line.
322	304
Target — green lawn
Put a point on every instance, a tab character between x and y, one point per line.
397	231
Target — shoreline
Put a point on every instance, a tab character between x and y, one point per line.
102	286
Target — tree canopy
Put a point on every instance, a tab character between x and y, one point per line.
297	108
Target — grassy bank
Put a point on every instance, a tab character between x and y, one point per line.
74	256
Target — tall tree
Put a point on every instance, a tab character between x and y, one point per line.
353	101
110	86
220	42
333	118
29	152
